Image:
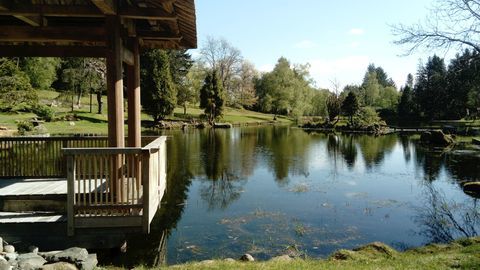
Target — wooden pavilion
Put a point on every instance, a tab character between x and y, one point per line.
118	185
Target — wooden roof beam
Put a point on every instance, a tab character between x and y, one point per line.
31	20
52	34
51	51
155	35
87	11
107	7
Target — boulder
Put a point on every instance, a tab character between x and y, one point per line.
72	255
436	137
4	265
1	244
33	249
10	256
59	266
49	255
88	264
9	249
472	189
247	258
30	261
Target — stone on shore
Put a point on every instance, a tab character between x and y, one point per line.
247	258
59	266
30	261
72	255
9	249
1	244
222	125
4	265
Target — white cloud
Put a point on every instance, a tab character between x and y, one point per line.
356	31
346	70
305	44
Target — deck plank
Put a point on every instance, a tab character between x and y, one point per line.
30	217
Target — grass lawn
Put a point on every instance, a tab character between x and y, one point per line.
460	254
92	123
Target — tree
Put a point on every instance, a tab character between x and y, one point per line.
371	89
211	97
220	55
350	106
334	108
180	63
451	23
406	106
244	85
188	91
16	93
42	71
159	95
430	89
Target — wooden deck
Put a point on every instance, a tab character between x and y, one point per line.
116	188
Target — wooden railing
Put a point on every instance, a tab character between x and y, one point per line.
35	157
115	187
42	157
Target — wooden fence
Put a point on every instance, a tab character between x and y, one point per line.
41	157
115	187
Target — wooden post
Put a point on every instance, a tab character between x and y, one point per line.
146	191
70	195
115	84
133	89
116	126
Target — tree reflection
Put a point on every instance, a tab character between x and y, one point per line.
285	152
222	185
348	148
443	221
374	149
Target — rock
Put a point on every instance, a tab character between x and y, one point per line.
472	189
282	258
201	125
247	258
437	137
71	123
49	255
4	265
229	260
207	262
73	255
9	249
59	266
33	249
1	244
11	256
30	261
222	125
89	264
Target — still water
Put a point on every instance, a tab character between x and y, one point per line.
274	190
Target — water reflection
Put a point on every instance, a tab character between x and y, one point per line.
216	168
443	220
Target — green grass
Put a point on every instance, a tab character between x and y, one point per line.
93	123
461	254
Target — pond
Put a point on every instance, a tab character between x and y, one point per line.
274	190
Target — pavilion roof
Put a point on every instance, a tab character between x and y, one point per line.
165	24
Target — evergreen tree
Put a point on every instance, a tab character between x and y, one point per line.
159	95
406	106
211	97
430	89
350	106
16	93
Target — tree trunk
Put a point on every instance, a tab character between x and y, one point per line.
99	102
90	101
184	108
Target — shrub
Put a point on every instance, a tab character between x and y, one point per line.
44	112
367	116
24	126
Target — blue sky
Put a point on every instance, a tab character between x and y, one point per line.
338	38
